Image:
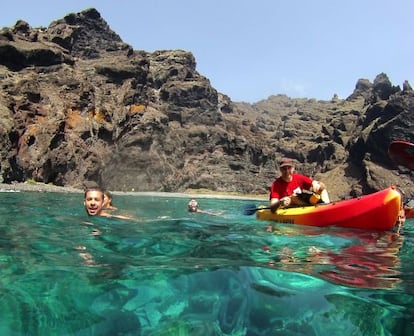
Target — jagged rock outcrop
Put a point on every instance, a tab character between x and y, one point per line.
78	105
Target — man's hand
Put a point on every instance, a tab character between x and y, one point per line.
285	201
274	206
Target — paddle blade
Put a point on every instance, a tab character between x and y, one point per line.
402	153
249	209
409	209
409	212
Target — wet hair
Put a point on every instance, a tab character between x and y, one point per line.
93	189
108	194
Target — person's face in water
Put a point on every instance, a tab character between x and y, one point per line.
94	200
193	206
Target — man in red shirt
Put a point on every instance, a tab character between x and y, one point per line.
292	189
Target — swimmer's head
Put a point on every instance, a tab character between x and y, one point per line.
192	205
93	201
107	198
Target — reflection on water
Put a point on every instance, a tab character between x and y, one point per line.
371	260
174	273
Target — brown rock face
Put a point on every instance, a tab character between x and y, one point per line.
79	106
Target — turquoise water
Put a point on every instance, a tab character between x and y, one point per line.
171	272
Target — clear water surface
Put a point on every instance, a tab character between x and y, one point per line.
170	272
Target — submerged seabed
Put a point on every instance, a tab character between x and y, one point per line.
169	272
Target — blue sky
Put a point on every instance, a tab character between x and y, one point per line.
250	50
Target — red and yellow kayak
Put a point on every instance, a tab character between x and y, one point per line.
378	211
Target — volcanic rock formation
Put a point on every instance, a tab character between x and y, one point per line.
80	106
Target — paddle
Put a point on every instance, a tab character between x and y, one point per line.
409	212
409	208
402	153
250	209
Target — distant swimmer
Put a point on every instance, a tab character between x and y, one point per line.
193	207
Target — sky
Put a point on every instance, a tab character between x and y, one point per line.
252	49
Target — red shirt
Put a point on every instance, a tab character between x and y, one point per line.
281	188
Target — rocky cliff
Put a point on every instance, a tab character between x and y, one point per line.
80	106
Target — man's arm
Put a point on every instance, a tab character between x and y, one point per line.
274	204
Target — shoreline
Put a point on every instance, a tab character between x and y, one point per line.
41	187
37	187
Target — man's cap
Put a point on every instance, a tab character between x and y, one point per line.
284	162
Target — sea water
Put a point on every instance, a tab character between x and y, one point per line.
170	272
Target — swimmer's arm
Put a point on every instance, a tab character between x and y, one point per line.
209	213
105	214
